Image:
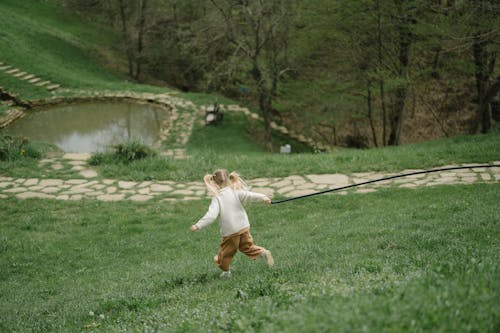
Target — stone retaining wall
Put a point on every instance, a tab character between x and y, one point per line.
9	116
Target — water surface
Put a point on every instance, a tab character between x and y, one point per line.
92	126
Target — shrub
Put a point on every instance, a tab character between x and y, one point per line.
132	151
13	148
98	158
123	152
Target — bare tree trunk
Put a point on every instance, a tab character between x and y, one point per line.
126	37
485	94
435	63
370	113
384	113
405	41
140	37
381	80
264	100
397	117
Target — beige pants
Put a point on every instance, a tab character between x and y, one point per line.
242	241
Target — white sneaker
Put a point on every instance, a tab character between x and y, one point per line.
268	257
225	274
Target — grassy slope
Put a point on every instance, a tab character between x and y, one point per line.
391	261
215	150
43	39
228	147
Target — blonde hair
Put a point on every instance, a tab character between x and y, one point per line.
221	178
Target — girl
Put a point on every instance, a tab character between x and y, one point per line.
230	192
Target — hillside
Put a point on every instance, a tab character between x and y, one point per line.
324	97
332	70
340	79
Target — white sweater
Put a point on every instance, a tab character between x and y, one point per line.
228	204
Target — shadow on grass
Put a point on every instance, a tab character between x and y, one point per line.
183	281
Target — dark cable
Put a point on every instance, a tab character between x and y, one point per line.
386	178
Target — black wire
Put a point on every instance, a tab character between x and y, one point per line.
386	178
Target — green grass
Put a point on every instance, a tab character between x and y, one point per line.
3	108
48	41
217	150
255	164
228	146
391	261
43	42
22	89
229	137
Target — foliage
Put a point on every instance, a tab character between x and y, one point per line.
13	148
392	261
132	151
124	153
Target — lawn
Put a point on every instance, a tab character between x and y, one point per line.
228	147
397	260
391	261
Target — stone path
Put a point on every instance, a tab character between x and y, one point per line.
292	134
93	188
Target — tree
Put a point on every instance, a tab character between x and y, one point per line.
126	37
130	13
404	19
473	27
258	30
140	39
484	37
378	36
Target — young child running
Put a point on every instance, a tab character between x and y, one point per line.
230	192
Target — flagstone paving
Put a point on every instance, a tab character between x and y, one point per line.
93	188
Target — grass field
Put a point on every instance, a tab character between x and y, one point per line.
211	148
421	260
398	260
229	147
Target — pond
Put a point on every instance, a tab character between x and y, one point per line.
92	126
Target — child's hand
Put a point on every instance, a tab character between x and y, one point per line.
267	201
193	228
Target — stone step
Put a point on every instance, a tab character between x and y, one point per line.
53	87
27	77
12	71
41	84
9	116
34	80
20	74
5	67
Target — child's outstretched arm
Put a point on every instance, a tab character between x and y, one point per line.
248	196
209	217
